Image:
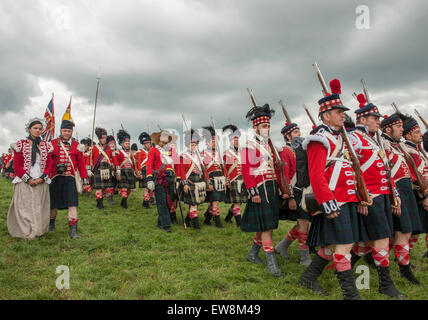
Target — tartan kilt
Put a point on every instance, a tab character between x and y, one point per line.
423	214
260	217
215	195
170	176
98	183
345	229
233	195
378	223
127	179
63	192
292	215
143	183
408	221
190	198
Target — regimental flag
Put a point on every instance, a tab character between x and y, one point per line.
49	132
67	113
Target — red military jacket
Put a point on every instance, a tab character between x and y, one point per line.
372	162
257	163
22	158
141	157
7	158
420	158
330	173
96	153
288	156
232	163
158	156
212	162
399	167
59	155
189	163
124	159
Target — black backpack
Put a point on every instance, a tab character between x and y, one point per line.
302	171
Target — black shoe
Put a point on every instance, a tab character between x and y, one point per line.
100	204
167	229
146	204
73	231
238	220
354	258
229	216
208	218
368	258
425	255
52	225
272	265
173	216
309	278
312	250
347	283
407	273
124	203
386	285
253	254
110	200
217	222
195	223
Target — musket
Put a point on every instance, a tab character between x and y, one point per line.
360	184
218	148
279	164
366	92
394	106
93	121
309	115
422	119
284	111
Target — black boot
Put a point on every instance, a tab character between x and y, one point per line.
425	255
253	255
354	258
146	204
347	283
312	250
100	204
73	231
309	278
229	216
173	216
52	225
368	258
124	203
238	220
217	222
386	285
110	200
208	217
407	273
195	223
187	221
272	265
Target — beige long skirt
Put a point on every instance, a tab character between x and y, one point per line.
29	211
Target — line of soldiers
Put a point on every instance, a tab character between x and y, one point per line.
6	165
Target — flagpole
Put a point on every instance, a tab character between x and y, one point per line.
95	113
53	118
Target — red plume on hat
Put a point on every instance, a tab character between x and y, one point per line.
287	123
362	100
335	86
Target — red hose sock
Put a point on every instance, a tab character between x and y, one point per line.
215	211
292	234
124	193
342	262
146	197
193	214
236	211
325	253
258	239
413	240
381	256
267	245
402	253
99	194
361	248
71	222
302	236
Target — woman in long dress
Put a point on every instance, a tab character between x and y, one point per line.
29	211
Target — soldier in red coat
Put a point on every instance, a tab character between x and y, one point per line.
10	173
87	155
141	157
67	159
236	192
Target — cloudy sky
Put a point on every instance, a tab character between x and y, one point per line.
161	58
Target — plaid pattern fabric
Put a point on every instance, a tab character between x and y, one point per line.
63	192
408	221
329	104
423	214
215	195
127	179
190	198
287	214
378	223
260	217
233	195
345	229
98	183
143	183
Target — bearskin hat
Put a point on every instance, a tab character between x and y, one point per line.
190	136
110	138
122	135
100	132
134	147
231	130
259	114
144	137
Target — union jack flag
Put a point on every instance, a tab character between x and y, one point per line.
49	132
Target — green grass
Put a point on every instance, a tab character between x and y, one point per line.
123	255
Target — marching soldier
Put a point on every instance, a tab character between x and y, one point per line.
126	168
212	161
192	173
162	164
408	221
102	164
236	191
377	218
413	135
110	192
67	160
261	213
141	158
87	156
292	211
10	173
335	224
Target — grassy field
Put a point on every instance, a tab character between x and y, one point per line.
122	255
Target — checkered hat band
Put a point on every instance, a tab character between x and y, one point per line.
393	123
328	105
373	110
262	119
291	129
